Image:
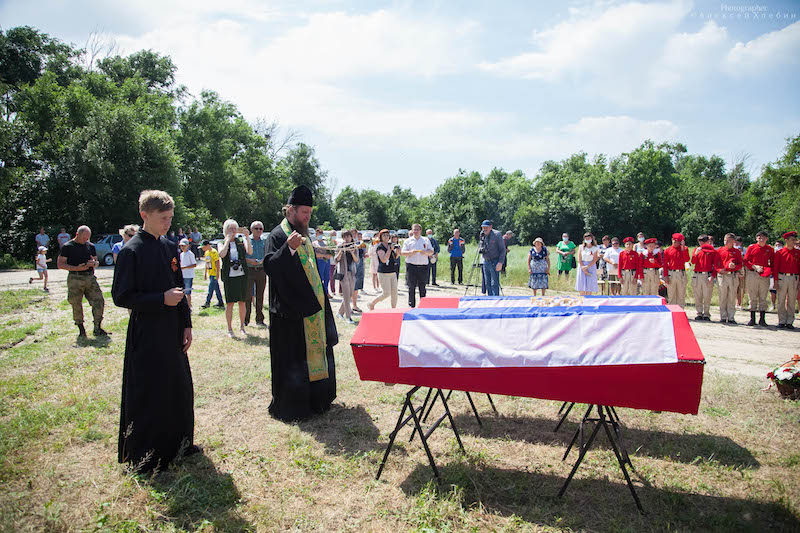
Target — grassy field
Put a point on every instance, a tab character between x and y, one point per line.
735	466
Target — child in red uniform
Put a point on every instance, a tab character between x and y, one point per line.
630	268
785	274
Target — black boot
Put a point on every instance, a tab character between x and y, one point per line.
81	331
99	331
762	321
752	319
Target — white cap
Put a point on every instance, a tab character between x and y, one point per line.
43	248
184	242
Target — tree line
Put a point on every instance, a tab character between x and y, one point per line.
82	135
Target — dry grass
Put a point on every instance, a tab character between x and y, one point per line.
735	466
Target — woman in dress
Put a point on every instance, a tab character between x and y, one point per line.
566	251
538	267
373	263
234	271
346	260
587	256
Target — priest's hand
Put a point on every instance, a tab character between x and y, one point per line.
187	339
173	297
294	240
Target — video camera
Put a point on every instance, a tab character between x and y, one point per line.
482	242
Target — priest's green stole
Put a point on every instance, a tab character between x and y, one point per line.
314	325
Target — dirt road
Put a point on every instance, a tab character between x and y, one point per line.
734	349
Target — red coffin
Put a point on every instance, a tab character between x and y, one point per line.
671	387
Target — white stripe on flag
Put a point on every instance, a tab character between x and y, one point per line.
505	301
573	340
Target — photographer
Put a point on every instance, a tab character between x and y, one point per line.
456	246
493	250
233	252
387	254
347	259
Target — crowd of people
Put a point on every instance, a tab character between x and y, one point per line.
645	266
154	276
633	266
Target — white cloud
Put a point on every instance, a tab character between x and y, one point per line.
766	52
610	135
633	54
615	40
337	45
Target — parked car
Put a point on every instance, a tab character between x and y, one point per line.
102	245
402	233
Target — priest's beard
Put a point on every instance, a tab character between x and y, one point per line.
299	227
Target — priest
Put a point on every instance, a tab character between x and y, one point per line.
157	413
302	332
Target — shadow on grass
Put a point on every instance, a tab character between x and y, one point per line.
98	342
253	340
590	504
197	495
684	448
345	430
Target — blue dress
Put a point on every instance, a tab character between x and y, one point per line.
539	274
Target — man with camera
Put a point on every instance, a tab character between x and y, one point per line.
416	249
493	250
456	246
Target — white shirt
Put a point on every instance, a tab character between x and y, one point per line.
587	254
187	259
41	261
413	244
612	254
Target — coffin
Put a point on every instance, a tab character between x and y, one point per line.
641	357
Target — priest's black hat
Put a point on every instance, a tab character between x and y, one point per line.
301	196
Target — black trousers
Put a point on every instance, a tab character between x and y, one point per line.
456	262
416	277
432	273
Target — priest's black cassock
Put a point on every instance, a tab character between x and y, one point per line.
157	413
291	298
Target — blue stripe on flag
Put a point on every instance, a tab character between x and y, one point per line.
526	312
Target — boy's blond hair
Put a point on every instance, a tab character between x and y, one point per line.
152	200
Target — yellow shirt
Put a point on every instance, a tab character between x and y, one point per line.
211	257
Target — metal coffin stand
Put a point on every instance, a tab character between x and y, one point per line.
415	415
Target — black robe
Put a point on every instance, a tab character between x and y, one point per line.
294	396
157	413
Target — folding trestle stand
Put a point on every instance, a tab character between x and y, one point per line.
471	404
609	420
415	416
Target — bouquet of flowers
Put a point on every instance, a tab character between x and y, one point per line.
787	378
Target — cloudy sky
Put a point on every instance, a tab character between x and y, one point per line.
409	92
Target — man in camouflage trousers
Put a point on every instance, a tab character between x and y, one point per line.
79	257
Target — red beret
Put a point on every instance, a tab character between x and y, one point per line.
790	234
678	237
627	239
651	240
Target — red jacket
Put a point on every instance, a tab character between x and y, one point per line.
706	260
631	261
759	255
651	261
786	262
728	255
675	259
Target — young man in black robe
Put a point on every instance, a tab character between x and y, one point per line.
302	332
157	414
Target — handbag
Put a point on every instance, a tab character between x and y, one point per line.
574	262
